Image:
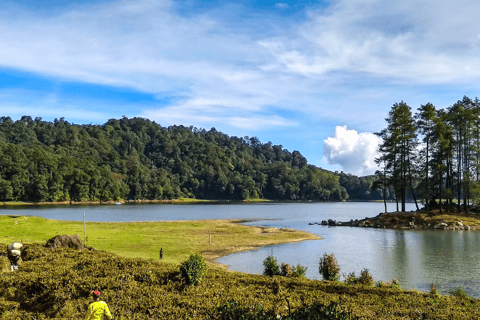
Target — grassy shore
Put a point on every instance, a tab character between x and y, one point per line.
178	239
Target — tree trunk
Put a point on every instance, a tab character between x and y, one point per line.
440	189
411	188
384	188
426	181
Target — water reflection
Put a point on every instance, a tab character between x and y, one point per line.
416	258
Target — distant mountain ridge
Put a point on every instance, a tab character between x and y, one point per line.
139	159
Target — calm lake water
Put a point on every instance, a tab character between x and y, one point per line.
448	259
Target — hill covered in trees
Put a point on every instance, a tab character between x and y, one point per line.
138	159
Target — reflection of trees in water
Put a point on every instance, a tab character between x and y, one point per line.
447	259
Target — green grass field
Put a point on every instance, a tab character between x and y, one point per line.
178	239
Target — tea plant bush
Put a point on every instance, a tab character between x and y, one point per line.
317	311
328	267
4	264
193	269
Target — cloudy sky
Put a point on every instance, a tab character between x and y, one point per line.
314	76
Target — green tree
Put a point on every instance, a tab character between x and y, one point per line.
398	147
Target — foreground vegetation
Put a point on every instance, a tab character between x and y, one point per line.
178	239
57	284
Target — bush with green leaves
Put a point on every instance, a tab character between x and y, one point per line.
300	271
270	266
286	270
4	264
365	278
351	278
328	267
233	311
459	293
434	291
193	269
316	311
58	285
394	283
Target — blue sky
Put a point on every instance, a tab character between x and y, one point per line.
314	76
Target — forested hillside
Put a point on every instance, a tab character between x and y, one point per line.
138	159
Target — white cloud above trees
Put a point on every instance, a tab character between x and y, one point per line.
354	152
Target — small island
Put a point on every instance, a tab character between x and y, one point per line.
414	220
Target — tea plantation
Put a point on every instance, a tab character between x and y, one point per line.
57	284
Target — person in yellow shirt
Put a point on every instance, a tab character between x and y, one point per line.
98	310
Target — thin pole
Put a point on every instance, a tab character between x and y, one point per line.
84	230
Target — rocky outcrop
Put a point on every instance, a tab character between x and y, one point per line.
399	220
65	241
441	225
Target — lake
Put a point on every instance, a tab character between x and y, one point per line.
448	259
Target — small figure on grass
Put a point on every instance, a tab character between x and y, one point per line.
98	310
14	254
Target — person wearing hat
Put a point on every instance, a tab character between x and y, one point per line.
98	310
14	254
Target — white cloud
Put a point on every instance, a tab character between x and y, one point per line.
354	152
214	73
427	41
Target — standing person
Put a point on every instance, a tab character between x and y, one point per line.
98	310
14	254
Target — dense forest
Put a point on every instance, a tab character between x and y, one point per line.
136	159
433	155
366	188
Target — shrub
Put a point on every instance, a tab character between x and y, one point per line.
433	291
331	311
379	284
394	283
270	266
321	312
365	278
193	269
4	264
286	270
300	271
328	267
232	310
459	293
351	278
